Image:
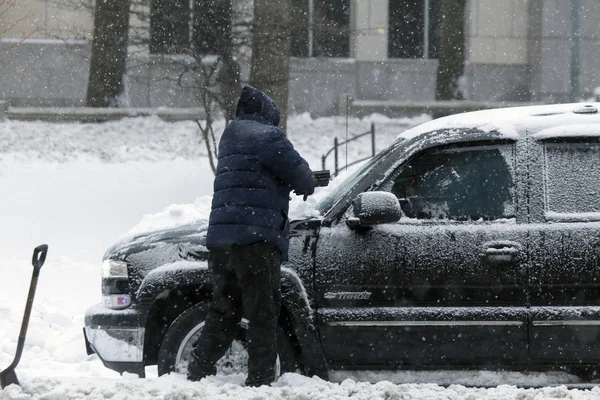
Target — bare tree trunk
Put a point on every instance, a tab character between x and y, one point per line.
228	76
230	87
270	70
109	53
451	50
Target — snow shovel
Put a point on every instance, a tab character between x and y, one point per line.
9	376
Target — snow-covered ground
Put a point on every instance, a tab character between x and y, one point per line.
79	187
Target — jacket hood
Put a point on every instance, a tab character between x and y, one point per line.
254	102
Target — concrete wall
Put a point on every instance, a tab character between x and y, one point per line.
317	84
522	49
497	31
517	50
590	47
497	82
41	72
45	19
552	44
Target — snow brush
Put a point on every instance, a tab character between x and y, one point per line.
9	376
322	177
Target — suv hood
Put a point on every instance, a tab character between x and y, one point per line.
148	251
188	237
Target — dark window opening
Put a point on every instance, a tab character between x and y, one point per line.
331	29
178	26
169	26
413	28
320	28
212	26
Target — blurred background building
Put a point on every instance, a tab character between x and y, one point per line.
515	50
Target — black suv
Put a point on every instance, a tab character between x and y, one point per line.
473	241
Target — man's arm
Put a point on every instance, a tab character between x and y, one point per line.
283	160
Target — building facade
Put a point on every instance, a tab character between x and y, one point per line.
516	50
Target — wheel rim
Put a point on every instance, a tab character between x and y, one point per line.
235	360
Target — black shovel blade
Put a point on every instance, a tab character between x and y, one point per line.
8	377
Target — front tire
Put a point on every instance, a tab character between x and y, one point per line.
182	335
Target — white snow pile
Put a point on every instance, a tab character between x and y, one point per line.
80	187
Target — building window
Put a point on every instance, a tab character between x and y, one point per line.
320	28
413	29
181	26
169	26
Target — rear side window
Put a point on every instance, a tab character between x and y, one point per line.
572	177
466	183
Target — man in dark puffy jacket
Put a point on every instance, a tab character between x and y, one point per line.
248	236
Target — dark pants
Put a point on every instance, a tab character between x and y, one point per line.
245	279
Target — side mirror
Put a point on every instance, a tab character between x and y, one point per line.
372	208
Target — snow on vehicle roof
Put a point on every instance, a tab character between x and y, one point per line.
508	121
575	130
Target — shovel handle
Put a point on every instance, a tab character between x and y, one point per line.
8	376
39	256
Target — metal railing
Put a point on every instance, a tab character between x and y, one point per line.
337	144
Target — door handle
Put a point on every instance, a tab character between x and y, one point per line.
501	251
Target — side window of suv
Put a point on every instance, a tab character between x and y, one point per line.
572	171
460	183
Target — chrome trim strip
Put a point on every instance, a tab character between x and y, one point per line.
425	323
574	322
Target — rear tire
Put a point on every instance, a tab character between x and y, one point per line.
182	335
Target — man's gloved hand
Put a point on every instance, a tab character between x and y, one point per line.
306	194
301	194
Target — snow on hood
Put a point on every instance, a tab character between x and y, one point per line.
172	216
177	215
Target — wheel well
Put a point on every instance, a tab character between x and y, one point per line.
165	309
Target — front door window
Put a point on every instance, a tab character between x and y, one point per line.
458	184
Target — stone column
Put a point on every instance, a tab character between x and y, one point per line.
369	41
534	47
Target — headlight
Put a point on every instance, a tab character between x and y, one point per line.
114	269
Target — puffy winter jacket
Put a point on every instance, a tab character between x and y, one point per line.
256	170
